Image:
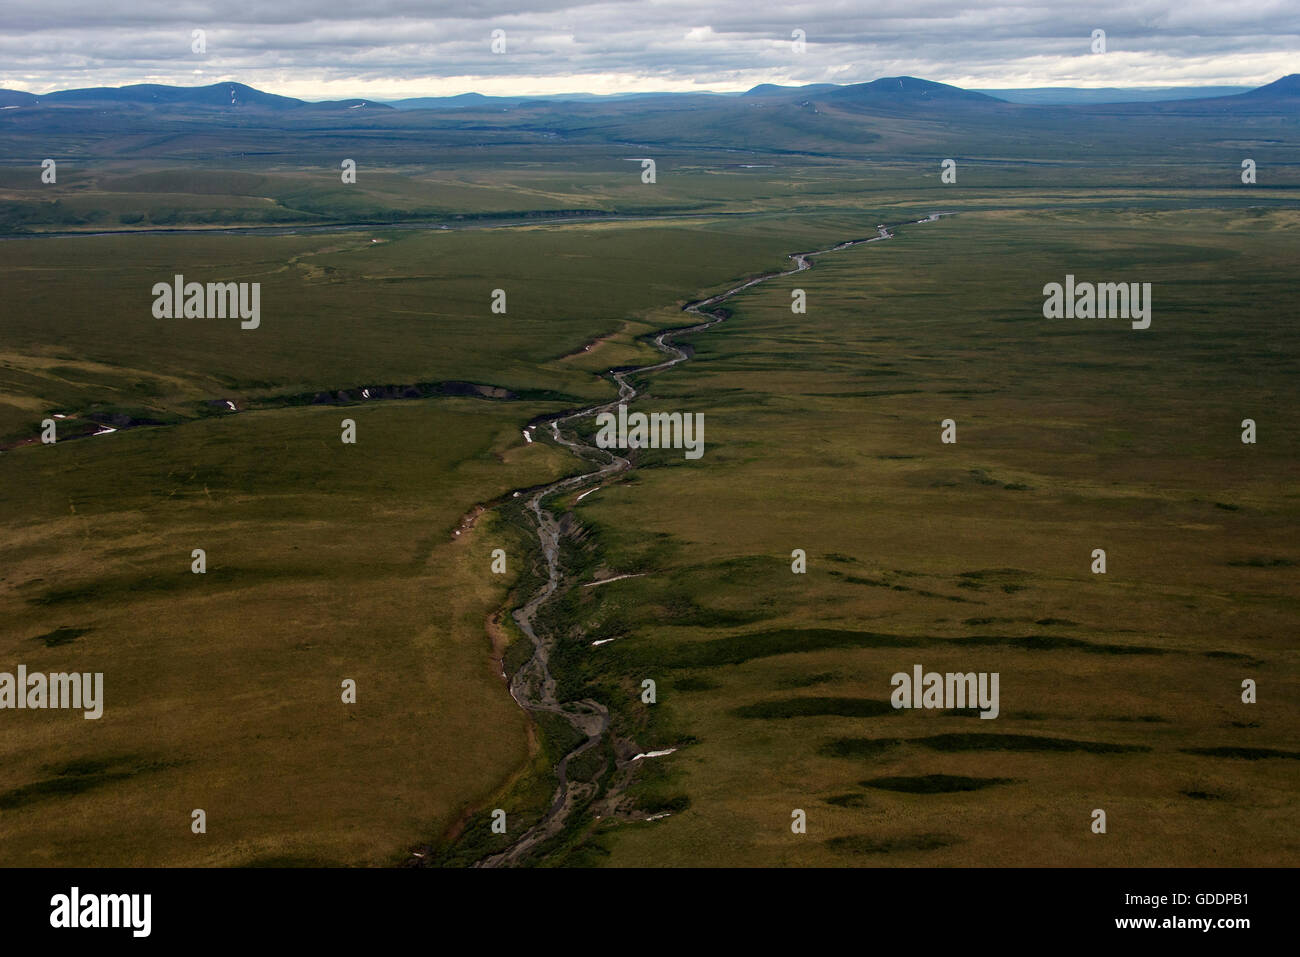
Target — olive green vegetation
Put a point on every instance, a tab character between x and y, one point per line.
325	561
341	313
96	194
328	561
1119	691
223	691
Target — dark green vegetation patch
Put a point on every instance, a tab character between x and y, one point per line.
972	741
809	707
933	783
61	636
1247	754
866	844
735	649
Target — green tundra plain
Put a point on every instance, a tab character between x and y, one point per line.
373	561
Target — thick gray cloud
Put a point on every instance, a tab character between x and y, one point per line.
390	48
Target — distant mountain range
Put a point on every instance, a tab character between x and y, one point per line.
889	116
887	93
1068	95
216	96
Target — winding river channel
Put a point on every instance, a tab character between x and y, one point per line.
533	685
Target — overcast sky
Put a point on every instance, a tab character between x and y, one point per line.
319	49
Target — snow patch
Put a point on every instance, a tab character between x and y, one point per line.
617	578
654	754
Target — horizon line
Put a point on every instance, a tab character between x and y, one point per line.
650	92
